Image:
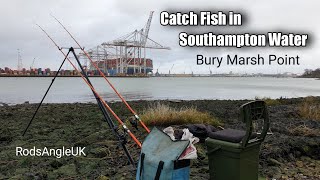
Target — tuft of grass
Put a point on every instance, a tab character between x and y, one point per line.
310	108
303	130
163	115
269	101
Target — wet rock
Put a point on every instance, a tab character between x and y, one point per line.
275	172
4	138
65	171
8	114
99	152
274	162
299	163
101	177
56	163
21	170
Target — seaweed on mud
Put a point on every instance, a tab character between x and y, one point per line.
82	125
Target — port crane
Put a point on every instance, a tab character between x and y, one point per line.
147	29
128	50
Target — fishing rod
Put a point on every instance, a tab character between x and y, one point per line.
95	92
102	74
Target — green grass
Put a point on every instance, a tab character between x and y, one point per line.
164	115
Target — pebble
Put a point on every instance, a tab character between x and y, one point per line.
299	164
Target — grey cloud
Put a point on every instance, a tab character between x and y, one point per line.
97	21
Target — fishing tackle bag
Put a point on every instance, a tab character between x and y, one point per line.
159	158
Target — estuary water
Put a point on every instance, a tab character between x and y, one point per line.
16	90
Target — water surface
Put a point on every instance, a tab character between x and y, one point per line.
15	90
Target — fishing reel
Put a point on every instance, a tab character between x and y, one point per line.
133	122
122	135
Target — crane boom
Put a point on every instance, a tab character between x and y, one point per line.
171	68
147	28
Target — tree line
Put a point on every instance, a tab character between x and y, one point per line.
309	73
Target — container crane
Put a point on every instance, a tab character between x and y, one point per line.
147	29
128	51
145	38
131	47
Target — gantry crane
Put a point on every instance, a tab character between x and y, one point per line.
127	49
146	29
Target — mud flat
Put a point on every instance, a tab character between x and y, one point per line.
292	152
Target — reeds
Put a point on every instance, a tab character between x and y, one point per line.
303	130
164	115
310	108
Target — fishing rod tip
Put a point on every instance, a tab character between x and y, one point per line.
53	16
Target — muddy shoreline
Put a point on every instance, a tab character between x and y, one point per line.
285	154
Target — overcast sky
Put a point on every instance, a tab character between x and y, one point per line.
96	21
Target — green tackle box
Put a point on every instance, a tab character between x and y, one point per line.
234	154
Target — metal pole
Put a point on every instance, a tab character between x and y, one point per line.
145	62
35	113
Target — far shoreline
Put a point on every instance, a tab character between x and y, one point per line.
166	76
177	101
